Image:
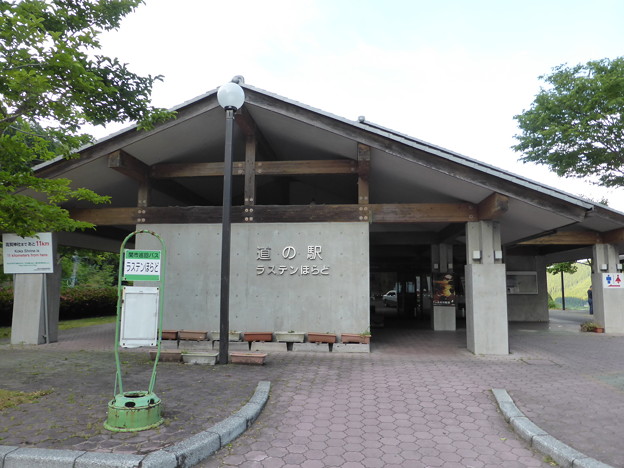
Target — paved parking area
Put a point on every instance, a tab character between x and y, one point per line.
419	399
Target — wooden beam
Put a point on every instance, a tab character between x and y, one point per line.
363	170
278	168
390	213
181	170
108	216
567	238
287	168
250	173
615	236
128	165
424	213
493	207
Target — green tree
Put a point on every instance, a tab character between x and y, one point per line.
52	82
564	267
576	124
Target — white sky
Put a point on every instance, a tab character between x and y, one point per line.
450	72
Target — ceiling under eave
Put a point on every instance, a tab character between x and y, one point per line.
403	169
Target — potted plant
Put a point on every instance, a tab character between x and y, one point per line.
363	338
169	334
233	335
290	336
247	358
327	337
590	326
192	335
258	336
200	357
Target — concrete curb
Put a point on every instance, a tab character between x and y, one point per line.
539	439
184	454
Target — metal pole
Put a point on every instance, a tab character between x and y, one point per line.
226	235
562	292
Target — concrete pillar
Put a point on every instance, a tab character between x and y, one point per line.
444	316
607	301
486	296
441	258
35	297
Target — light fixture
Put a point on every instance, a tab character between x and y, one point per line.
231	96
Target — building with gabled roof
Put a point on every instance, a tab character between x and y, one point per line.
321	204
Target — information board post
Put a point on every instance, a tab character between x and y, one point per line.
139	323
36	287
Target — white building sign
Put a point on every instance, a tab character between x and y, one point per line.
28	254
290	262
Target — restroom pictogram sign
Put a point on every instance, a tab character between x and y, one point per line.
612	280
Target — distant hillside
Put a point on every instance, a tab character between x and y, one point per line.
576	287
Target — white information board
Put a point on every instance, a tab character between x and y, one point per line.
28	254
139	317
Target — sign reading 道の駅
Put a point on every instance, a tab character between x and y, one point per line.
141	265
28	254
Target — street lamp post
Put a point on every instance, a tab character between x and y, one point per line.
231	97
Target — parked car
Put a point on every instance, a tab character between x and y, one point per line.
390	298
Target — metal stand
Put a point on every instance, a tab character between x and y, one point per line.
135	410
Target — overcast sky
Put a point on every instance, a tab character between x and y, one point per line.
450	72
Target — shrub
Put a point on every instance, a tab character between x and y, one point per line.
88	302
6	307
75	303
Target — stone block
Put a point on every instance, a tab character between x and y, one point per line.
233	345
501	395
159	459
261	395
510	410
191	451
229	429
526	429
264	346
589	463
311	347
195	346
351	348
36	458
108	460
563	454
5	449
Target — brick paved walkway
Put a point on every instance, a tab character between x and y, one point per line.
419	399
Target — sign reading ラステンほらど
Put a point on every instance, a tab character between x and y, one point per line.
28	254
141	265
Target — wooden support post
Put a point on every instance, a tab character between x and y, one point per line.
250	171
363	173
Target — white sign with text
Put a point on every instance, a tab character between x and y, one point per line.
28	254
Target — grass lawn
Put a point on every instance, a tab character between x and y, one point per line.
5	332
9	398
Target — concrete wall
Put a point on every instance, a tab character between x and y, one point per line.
607	301
528	307
271	294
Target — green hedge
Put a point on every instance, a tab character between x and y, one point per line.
75	303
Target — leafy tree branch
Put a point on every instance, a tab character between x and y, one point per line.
52	83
